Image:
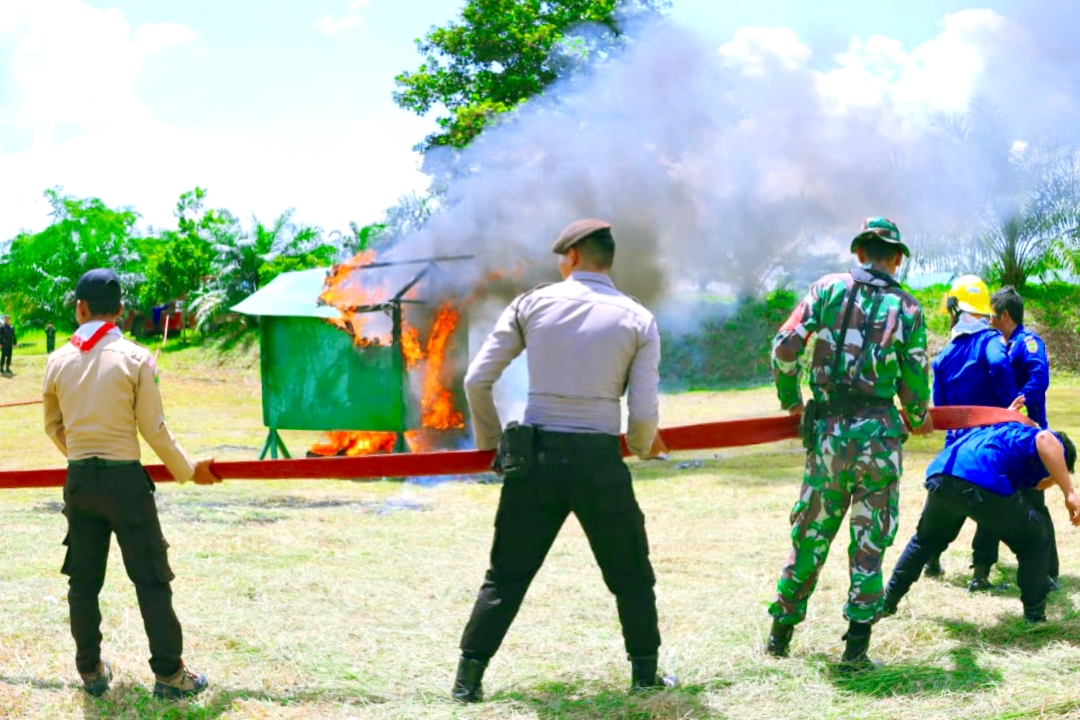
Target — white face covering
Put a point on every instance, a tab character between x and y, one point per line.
968	324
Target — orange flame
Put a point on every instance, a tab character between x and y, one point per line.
411	348
344	292
353	444
437	402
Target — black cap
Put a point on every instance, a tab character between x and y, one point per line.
101	284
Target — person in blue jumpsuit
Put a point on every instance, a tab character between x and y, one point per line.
982	475
974	368
1027	355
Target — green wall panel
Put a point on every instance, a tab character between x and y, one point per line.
314	378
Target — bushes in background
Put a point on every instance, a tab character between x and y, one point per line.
731	346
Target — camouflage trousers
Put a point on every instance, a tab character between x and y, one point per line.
841	471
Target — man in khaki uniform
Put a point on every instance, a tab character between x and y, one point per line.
588	344
97	390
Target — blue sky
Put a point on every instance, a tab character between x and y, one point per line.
277	103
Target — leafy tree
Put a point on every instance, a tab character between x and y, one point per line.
359	238
499	54
1024	234
1014	207
40	270
179	261
245	261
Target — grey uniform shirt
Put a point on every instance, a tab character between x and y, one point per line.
588	344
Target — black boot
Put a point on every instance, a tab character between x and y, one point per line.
643	677
933	567
468	687
858	643
1035	614
980	580
779	639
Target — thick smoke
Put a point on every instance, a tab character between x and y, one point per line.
718	163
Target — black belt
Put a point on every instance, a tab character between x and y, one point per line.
577	441
96	462
848	406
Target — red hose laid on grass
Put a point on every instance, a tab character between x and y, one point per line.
728	433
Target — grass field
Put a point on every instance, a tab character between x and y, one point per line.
346	600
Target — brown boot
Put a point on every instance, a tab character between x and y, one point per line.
184	683
97	683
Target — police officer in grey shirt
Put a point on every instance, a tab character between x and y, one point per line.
587	345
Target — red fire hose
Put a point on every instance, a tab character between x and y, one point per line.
729	433
20	403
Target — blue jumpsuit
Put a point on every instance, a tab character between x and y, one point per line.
1027	355
985	475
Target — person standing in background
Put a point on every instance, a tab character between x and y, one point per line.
7	344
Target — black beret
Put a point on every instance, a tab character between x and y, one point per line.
575	232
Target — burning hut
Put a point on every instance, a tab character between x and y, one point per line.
371	353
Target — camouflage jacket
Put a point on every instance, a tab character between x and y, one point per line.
894	363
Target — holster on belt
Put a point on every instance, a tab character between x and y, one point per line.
517	452
808	423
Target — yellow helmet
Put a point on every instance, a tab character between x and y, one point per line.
972	295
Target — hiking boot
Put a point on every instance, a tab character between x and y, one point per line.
643	677
97	683
933	568
980	582
184	683
779	639
855	658
468	686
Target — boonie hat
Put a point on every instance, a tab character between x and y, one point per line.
100	284
575	232
883	228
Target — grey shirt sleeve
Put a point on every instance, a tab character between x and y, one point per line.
642	398
499	349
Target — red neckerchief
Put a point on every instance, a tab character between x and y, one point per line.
88	345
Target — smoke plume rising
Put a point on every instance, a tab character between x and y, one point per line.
715	161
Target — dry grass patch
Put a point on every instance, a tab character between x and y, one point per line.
345	600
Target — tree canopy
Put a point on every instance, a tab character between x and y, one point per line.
209	256
499	54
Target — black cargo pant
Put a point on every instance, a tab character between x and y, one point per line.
100	500
949	503
583	474
5	356
984	546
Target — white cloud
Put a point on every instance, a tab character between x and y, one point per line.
941	75
75	69
329	25
161	36
758	49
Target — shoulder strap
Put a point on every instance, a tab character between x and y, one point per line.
838	351
867	326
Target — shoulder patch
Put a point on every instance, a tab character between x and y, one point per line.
1032	346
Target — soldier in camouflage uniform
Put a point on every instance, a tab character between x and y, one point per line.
852	429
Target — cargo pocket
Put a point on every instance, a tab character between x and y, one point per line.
65	569
145	554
